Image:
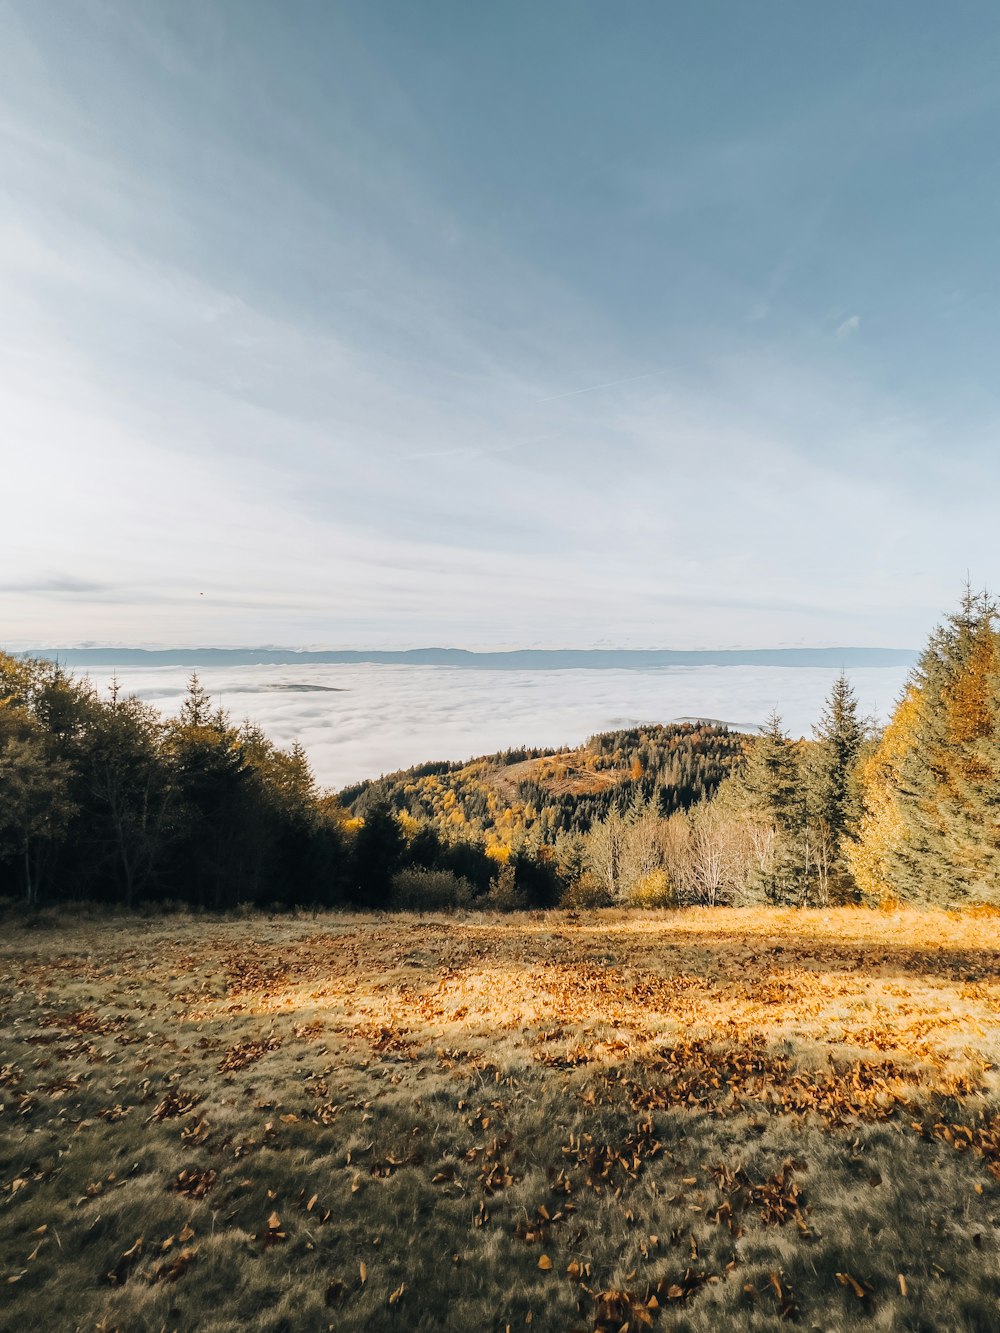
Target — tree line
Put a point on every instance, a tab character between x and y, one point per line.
776	830
905	814
103	799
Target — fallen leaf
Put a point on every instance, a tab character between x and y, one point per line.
846	1280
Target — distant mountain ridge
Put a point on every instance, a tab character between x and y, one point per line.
517	659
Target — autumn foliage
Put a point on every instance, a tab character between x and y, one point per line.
930	828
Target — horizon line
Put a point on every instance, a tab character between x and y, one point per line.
115	655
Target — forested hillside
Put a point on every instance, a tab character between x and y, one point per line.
551	792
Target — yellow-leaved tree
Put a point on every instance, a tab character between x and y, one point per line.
882	829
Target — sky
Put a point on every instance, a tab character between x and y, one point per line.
384	324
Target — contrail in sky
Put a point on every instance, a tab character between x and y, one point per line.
592	388
471	451
480	450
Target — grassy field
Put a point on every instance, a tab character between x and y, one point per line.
698	1120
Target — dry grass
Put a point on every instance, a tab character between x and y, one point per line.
568	773
701	1120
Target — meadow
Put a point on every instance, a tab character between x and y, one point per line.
696	1120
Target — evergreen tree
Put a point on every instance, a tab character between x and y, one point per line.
970	791
35	803
125	795
832	793
949	780
768	794
219	832
937	795
874	856
196	710
378	853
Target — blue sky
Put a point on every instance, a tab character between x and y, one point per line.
548	323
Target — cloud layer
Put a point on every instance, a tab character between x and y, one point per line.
376	719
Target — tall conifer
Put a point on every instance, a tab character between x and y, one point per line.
947	779
832	793
768	792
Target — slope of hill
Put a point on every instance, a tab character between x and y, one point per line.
561	791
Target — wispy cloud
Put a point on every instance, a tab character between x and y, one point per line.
476	450
849	326
60	585
305	380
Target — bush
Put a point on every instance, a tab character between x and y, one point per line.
417	890
653	890
584	894
504	894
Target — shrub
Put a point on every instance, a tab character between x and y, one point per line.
504	895
418	890
653	890
585	893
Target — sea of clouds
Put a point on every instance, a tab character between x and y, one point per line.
360	721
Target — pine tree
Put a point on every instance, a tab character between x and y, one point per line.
196	710
768	794
378	851
125	793
35	802
948	793
832	793
875	855
945	783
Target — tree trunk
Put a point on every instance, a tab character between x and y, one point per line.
29	885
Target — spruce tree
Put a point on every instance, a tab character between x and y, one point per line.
970	794
378	852
949	779
832	794
768	793
875	854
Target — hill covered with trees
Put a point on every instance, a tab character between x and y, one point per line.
546	793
